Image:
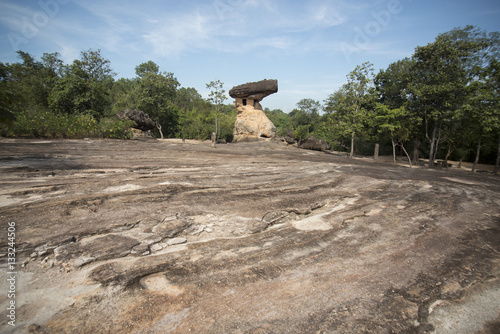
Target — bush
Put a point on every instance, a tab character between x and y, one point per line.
115	128
43	123
301	132
36	123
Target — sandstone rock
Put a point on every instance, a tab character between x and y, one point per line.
254	90
142	120
290	139
251	122
156	247
103	248
176	241
141	249
171	228
312	143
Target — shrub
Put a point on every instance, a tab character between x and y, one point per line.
115	128
43	123
301	132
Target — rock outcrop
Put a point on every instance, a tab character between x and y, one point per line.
141	119
312	143
251	122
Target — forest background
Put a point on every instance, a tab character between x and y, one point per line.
441	103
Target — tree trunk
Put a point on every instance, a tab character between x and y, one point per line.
436	147
407	155
416	147
352	146
393	150
497	164
477	154
450	150
158	125
433	144
216	125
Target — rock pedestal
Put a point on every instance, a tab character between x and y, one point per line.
251	122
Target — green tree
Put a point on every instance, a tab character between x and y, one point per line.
395	109
349	108
85	87
280	119
444	71
483	108
156	93
188	98
145	68
306	113
31	81
394	122
124	94
7	116
216	97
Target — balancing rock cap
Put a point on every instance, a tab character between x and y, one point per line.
255	90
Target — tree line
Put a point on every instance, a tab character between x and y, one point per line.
47	98
443	102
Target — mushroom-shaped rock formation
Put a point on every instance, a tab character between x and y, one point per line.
251	122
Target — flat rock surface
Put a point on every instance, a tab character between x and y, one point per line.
164	237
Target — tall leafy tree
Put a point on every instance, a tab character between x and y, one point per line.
85	86
350	107
195	117
444	70
483	108
395	109
217	97
124	94
6	97
306	116
31	81
280	119
146	68
395	123
156	93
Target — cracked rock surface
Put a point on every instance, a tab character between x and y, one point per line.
162	237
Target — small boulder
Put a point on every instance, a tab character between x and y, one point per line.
290	139
312	143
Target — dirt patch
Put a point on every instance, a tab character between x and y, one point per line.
166	236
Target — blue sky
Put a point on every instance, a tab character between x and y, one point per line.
309	46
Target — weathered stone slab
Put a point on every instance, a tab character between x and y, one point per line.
104	248
171	228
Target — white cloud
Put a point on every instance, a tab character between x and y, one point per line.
175	35
326	16
68	52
